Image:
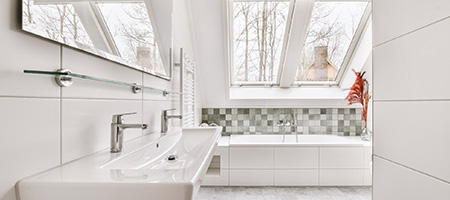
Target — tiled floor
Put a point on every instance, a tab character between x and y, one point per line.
284	193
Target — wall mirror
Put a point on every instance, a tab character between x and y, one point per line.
134	33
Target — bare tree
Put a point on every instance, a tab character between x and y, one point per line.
257	37
58	22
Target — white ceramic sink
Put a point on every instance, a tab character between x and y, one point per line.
141	171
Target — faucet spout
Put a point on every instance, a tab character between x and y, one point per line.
125	126
165	120
117	128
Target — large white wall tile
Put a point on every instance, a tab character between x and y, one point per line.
394	182
30	139
83	63
153	81
86	125
394	18
414	134
414	66
22	51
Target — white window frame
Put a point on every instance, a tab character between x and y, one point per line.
299	13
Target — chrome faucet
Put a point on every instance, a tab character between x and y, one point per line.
117	128
165	120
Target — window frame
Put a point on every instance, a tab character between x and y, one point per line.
284	54
230	44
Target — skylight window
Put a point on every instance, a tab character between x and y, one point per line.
131	29
331	31
285	42
257	40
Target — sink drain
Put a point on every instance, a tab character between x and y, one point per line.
171	158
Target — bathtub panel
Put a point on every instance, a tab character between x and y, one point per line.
341	157
220	179
251	158
304	177
367	177
251	177
367	157
341	177
296	157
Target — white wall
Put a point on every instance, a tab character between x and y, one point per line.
411	99
44	125
210	37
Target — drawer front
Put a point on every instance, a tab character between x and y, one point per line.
296	157
251	177
216	180
341	177
341	157
305	177
251	158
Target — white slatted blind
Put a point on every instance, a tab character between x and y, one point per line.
188	89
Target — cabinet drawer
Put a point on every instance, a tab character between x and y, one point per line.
341	177
305	177
341	157
296	157
251	177
251	158
216	179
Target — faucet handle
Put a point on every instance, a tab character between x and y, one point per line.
118	118
164	112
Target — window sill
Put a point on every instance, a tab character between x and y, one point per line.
266	93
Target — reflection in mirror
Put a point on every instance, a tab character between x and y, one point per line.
126	32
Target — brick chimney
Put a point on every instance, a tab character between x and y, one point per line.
321	63
143	56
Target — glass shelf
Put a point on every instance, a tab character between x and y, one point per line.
63	77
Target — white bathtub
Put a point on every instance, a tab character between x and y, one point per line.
277	160
291	140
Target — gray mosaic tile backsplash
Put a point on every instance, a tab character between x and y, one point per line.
336	121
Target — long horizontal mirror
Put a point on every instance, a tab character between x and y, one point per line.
134	33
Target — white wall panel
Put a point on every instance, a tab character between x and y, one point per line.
414	66
414	134
86	125
394	182
30	139
395	18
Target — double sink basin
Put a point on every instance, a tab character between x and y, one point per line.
171	167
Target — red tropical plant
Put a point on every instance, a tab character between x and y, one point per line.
359	93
